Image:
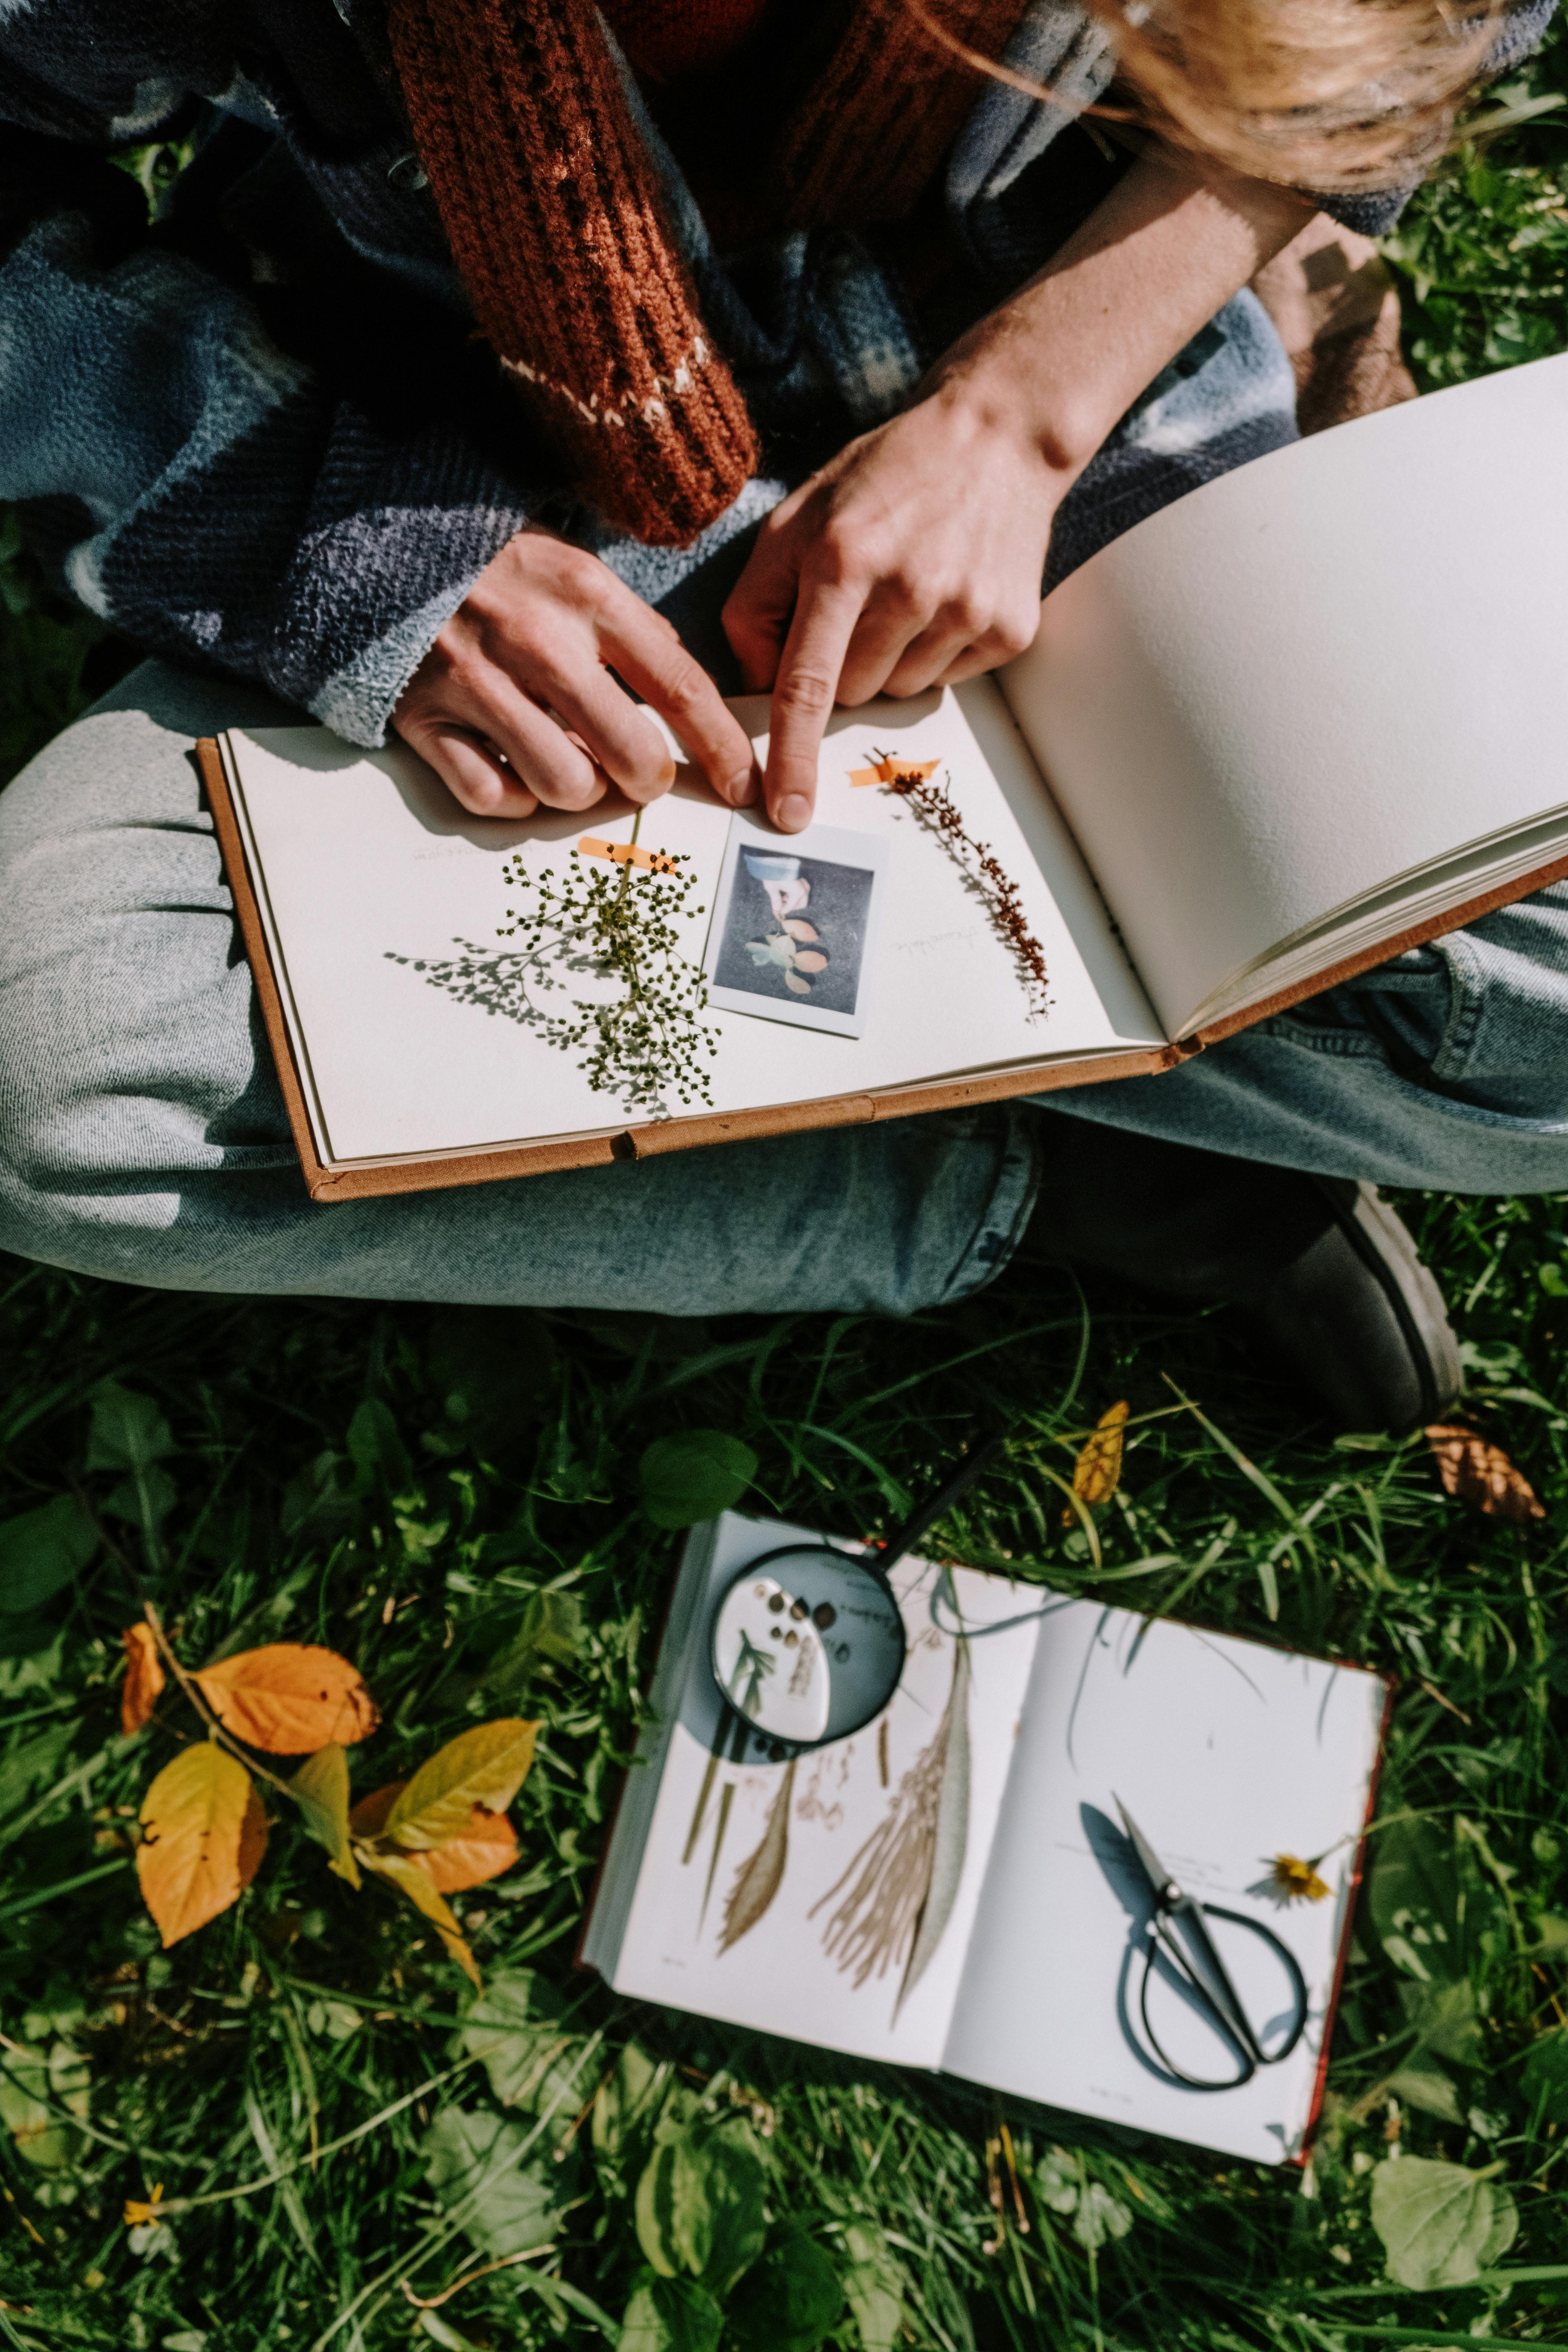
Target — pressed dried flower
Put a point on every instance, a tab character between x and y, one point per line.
933	804
651	1041
1295	1880
903	1881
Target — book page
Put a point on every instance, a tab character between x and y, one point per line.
1313	677
1225	1753
783	1897
418	1032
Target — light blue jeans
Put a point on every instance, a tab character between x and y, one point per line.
142	1135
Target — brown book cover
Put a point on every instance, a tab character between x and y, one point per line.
326	1181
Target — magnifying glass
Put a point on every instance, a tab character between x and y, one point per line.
808	1640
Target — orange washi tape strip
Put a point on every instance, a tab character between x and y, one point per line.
885	770
626	853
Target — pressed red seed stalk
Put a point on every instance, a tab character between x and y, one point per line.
934	804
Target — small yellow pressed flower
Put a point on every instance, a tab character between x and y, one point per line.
137	2214
1298	1881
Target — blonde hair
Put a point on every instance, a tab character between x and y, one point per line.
1337	95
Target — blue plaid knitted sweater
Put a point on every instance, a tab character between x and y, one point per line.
257	432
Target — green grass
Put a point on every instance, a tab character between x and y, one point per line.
403	1482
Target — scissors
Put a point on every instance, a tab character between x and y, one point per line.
1179	1940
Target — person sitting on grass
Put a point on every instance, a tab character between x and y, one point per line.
491	365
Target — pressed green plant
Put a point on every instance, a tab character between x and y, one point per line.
648	1040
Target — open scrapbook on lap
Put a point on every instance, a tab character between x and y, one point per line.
1263	741
959	1883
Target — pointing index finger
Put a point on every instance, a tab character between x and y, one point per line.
803	696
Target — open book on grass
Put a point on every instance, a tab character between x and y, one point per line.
952	1887
1305	718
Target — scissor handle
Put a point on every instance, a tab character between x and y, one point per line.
1218	1997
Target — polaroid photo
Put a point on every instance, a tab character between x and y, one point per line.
794	927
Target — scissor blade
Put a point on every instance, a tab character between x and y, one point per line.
1159	1877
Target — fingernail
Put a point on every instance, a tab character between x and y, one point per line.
666	775
742	789
793	814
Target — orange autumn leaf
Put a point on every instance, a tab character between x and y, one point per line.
1096	1473
1099	1468
290	1698
485	1848
368	1818
482	1849
485	1765
1476	1472
203	1837
144	1677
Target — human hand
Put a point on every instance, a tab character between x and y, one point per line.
514	703
789	898
913	559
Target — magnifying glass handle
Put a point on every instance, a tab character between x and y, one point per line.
974	1466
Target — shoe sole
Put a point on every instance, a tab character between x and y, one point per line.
1383	1243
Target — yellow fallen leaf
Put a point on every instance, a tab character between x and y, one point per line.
290	1698
1096	1473
407	1872
483	1767
1479	1473
204	1834
322	1785
481	1849
144	1677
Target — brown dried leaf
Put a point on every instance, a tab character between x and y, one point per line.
290	1698
204	1834
759	1876
812	959
1480	1473
1096	1473
144	1677
796	986
798	928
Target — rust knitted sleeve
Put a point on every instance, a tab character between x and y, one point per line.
552	212
877	121
668	38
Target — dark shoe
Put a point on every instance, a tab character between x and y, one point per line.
1322	1265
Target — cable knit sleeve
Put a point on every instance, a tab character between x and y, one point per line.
224	495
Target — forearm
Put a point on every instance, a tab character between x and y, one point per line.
1060	361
